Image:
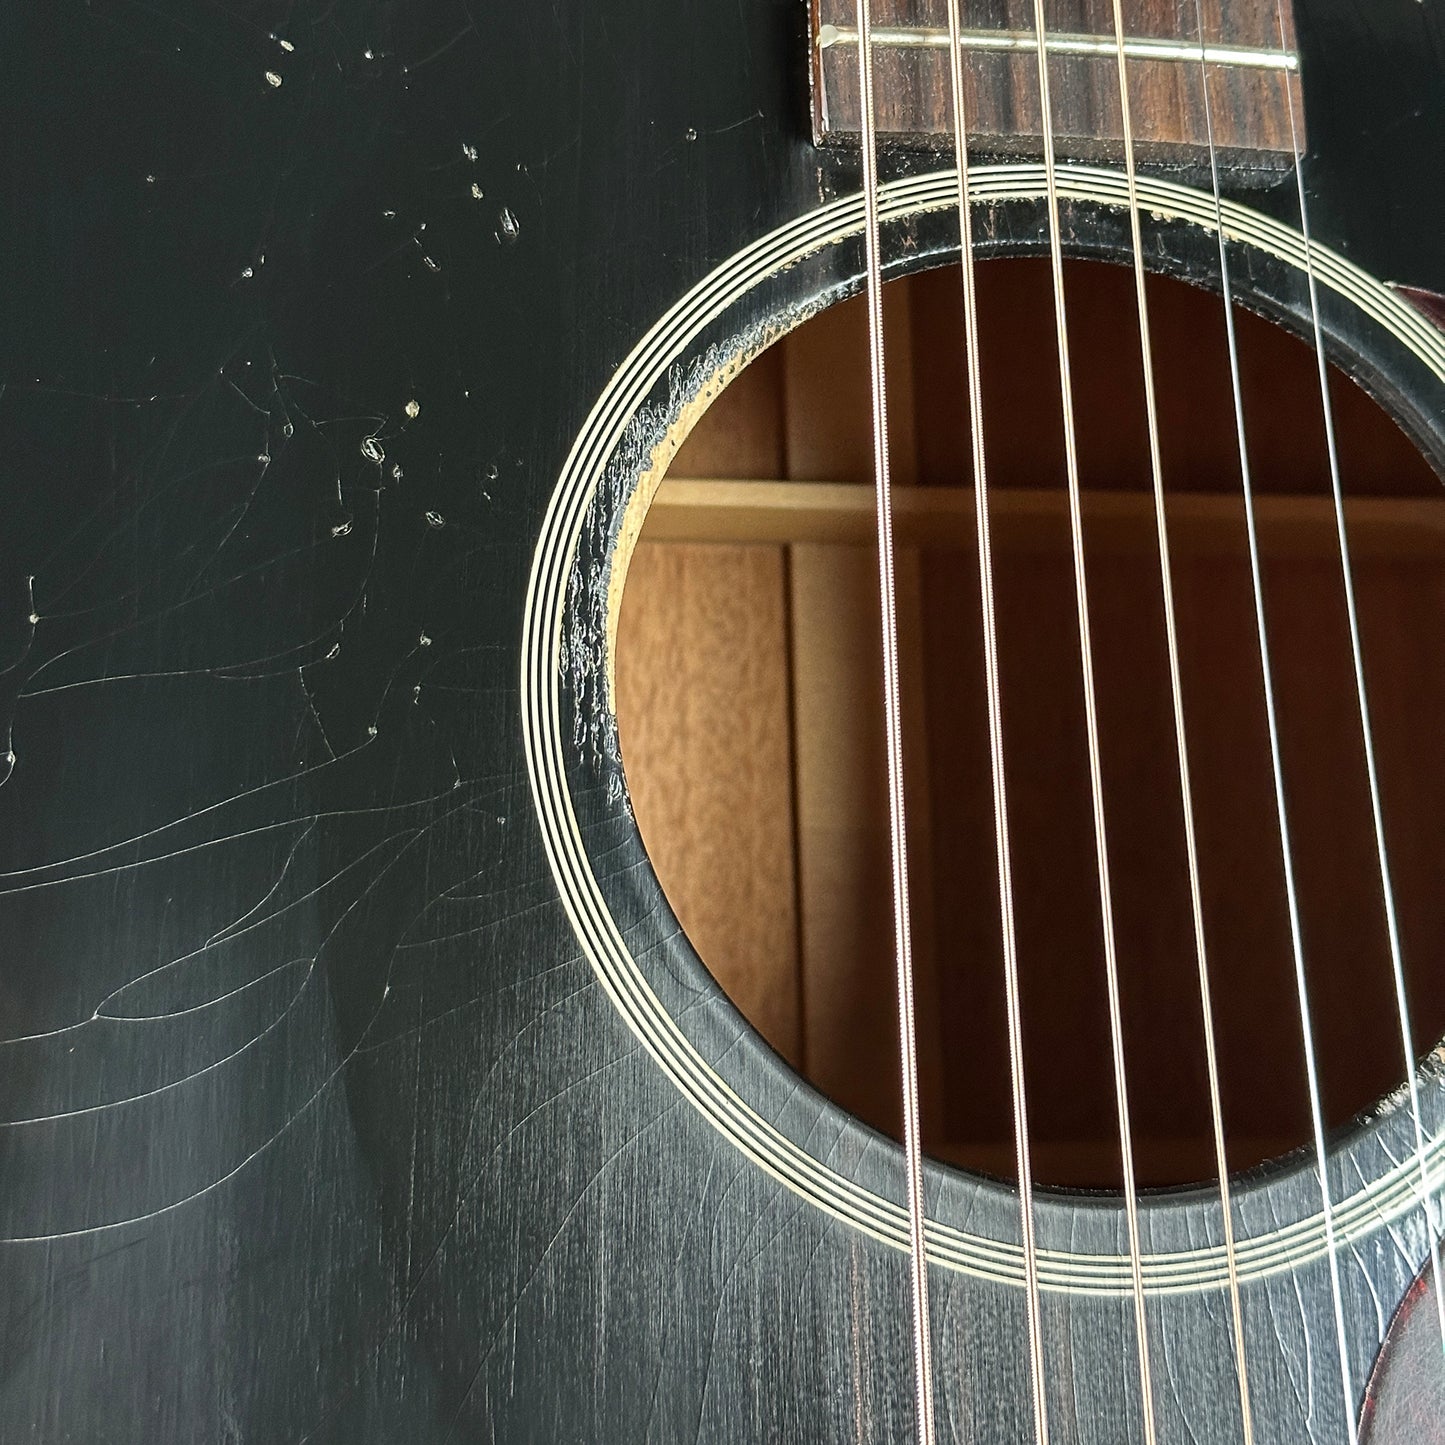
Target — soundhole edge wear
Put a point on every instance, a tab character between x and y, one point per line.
825	1159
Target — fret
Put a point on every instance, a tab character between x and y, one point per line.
1239	56
1064	43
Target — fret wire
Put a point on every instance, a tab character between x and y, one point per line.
1377	817
902	929
1022	1157
1058	42
1091	721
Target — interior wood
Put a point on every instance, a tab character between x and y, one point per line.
750	713
722	510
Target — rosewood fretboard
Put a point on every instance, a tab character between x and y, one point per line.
1246	55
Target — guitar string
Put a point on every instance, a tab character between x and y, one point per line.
1186	791
898	843
1216	1108
889	620
1377	817
1022	1157
1281	810
1091	721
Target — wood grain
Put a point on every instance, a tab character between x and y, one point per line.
1026	519
703	690
1249	107
850	999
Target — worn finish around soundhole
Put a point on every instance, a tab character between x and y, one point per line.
1288	1309
318	1124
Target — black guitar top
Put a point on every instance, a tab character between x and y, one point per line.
356	1081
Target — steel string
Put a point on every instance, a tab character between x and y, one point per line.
1367	734
1281	809
1091	719
1022	1159
1186	791
898	842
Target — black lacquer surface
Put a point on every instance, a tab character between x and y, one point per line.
315	1123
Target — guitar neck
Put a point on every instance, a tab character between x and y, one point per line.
1242	55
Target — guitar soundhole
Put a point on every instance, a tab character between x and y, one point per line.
750	717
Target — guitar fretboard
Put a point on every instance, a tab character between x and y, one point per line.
1244	54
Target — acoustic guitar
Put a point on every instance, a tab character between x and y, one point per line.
722	722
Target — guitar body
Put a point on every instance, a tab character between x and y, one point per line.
360	1083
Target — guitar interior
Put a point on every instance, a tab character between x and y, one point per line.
749	700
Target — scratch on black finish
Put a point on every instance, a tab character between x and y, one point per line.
317	1126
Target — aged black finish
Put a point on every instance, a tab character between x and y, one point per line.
316	1121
